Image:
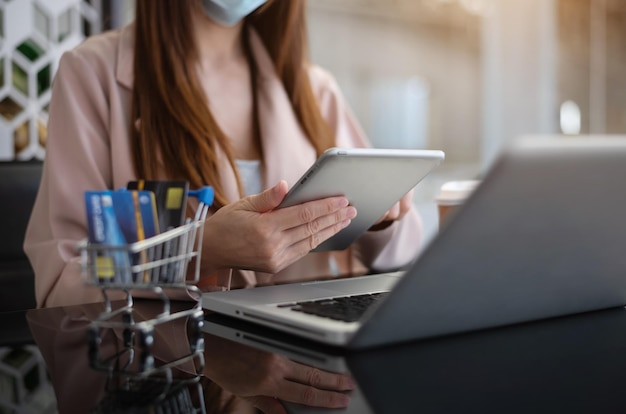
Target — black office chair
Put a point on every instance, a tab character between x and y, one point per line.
19	181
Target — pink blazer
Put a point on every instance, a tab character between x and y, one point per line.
89	149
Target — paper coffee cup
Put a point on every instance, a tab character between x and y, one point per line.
452	195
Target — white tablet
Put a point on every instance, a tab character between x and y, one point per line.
373	180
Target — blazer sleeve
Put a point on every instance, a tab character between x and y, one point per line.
78	158
397	245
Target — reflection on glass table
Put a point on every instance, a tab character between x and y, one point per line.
119	368
300	368
574	364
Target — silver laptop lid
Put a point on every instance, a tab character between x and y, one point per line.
542	236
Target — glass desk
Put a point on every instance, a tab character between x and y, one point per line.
574	364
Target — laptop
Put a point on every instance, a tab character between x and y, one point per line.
542	236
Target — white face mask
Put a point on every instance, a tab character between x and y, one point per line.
230	12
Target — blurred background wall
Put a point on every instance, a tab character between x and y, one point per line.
411	71
466	76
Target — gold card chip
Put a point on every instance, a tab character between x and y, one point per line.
105	267
174	198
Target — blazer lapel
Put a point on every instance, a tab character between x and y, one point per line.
125	56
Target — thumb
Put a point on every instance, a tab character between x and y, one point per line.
268	199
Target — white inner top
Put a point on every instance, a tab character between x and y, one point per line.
251	177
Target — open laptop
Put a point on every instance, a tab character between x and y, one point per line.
542	236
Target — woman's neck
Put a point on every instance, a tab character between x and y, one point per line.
217	46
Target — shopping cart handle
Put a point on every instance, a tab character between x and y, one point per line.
205	194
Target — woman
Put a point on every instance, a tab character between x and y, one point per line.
213	92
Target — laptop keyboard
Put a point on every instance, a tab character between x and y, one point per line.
343	308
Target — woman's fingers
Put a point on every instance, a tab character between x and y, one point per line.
316	231
266	200
257	236
308	375
314	387
405	204
305	226
312	396
264	378
396	212
304	384
306	213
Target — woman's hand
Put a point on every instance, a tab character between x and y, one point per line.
395	213
252	234
264	378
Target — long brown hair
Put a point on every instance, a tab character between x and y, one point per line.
176	122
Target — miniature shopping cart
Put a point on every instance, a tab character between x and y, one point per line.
154	267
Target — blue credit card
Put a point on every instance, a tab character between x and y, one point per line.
118	218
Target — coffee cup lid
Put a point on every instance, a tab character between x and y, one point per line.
453	192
